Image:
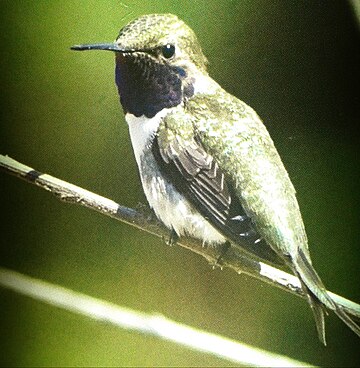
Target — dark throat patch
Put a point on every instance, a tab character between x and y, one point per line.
146	86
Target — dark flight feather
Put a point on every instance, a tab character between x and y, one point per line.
197	176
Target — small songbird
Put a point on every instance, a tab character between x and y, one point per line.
208	166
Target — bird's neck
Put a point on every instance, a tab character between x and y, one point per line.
147	87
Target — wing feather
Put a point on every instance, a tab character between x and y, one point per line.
198	177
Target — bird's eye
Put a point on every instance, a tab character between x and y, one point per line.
168	51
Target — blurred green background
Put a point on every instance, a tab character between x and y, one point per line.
295	62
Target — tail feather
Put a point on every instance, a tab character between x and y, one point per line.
344	316
318	312
318	297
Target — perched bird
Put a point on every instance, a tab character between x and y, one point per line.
208	166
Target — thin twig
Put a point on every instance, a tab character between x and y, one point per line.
149	324
233	258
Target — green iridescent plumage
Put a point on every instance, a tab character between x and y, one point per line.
211	149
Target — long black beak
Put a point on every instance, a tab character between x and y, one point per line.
98	46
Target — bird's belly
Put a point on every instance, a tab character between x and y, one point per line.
175	211
168	204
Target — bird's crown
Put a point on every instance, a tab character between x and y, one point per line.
164	36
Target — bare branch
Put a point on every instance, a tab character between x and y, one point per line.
149	324
233	258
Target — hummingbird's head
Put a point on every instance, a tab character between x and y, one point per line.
158	59
165	38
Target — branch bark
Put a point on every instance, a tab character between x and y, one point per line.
233	258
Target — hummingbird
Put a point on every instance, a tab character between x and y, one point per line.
208	166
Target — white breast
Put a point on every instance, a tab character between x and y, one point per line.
170	207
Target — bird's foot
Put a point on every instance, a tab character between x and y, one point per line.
223	250
173	238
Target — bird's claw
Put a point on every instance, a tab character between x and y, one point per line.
218	262
173	238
